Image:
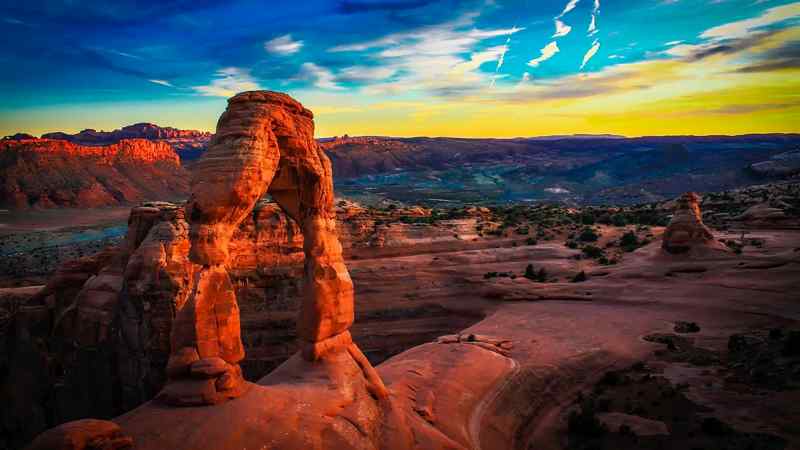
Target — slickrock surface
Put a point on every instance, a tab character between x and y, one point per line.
44	173
87	434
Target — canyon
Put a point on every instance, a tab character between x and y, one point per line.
297	320
575	170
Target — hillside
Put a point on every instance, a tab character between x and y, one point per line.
578	170
45	173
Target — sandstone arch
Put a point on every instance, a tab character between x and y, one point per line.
264	143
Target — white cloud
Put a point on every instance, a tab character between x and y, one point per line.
318	76
283	45
562	29
502	57
743	28
592	25
547	52
229	82
365	73
162	82
445	38
432	58
590	53
596	7
127	55
569	7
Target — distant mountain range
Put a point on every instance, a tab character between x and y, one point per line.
580	169
188	143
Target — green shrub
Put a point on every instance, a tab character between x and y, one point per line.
588	235
629	241
592	251
530	272
580	277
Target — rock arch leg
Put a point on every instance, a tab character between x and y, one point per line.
206	343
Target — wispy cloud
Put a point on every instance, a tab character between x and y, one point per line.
593	23
569	7
283	45
365	73
431	58
547	52
125	54
590	53
746	27
228	82
319	76
162	82
561	29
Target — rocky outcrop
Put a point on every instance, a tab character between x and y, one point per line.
136	131
686	229
264	143
87	434
46	173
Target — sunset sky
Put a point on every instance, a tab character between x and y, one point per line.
408	67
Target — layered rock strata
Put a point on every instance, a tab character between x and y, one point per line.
45	173
264	143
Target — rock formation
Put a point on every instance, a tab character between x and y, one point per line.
686	229
87	434
46	173
188	143
264	143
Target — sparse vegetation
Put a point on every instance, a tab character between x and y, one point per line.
580	277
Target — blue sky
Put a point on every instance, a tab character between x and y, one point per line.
403	67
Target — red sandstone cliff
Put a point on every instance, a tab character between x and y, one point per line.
46	173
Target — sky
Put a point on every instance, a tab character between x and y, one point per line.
487	68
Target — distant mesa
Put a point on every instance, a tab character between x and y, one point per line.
189	144
46	173
18	137
136	131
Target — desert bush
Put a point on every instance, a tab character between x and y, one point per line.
580	277
588	235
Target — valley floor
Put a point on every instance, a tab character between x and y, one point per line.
569	337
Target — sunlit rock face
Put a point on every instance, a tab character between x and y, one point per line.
686	230
264	143
45	173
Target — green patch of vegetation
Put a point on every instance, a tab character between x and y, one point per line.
592	251
580	277
588	235
535	275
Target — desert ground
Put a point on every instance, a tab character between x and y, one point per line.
648	350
